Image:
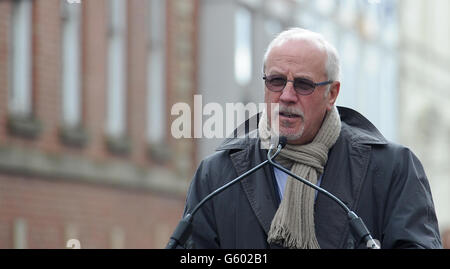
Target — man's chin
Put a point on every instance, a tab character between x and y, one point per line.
291	136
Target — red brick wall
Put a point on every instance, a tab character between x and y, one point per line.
95	50
47	204
47	75
138	47
46	71
5	11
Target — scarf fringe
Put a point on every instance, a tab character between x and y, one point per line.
285	238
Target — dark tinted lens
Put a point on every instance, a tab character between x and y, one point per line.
276	83
302	85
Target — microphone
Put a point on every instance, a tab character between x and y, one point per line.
184	227
357	225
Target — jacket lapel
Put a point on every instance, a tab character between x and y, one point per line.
258	187
344	175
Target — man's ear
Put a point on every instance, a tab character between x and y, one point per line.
333	94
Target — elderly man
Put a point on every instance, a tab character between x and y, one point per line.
336	148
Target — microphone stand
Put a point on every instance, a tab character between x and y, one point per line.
184	227
358	228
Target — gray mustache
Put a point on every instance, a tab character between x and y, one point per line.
291	110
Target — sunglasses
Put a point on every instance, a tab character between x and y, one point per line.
302	86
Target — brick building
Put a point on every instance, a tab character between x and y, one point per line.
86	91
85	150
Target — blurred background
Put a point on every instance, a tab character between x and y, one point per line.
87	87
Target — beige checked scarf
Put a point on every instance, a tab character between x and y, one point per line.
293	223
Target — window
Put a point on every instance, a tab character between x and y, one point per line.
20	94
156	127
370	103
243	46
71	68
20	230
368	83
21	120
72	132
116	94
388	95
350	69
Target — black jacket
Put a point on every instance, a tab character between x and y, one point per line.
383	182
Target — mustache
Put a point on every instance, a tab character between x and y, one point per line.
291	110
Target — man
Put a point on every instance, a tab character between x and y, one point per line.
338	149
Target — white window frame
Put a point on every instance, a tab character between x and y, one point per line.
20	93
71	64
156	110
350	52
116	68
243	46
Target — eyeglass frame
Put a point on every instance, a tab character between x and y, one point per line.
315	84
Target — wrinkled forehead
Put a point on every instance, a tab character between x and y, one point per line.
312	38
307	52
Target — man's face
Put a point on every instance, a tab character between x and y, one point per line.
300	116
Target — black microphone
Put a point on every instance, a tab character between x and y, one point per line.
184	227
357	225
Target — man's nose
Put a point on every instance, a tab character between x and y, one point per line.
288	95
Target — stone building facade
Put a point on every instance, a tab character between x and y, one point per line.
424	94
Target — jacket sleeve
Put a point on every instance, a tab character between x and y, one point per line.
204	235
411	218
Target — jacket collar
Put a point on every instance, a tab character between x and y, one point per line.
362	131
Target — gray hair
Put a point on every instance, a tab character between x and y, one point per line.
332	67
